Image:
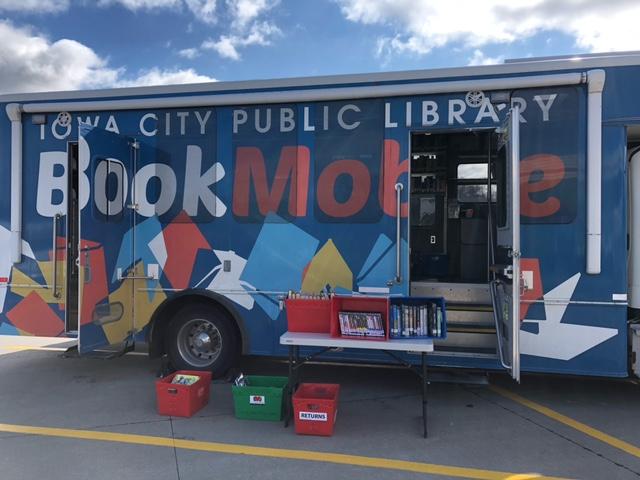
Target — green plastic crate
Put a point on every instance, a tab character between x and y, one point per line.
260	399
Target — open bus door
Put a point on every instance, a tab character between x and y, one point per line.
105	218
505	288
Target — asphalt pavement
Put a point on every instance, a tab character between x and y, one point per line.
64	417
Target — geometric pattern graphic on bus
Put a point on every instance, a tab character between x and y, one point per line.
150	248
24	285
327	267
551	337
279	255
5	262
33	316
182	240
224	278
380	264
37	311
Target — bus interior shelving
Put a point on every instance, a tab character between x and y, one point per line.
453	220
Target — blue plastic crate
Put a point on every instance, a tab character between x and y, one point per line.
412	302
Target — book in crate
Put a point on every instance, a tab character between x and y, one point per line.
419	319
361	324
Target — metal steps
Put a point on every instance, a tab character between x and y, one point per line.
468	307
462	328
470	322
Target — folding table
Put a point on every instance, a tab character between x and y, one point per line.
326	343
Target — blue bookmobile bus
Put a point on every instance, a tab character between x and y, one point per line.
179	217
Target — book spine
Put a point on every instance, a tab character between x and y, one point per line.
424	321
413	320
405	321
396	321
392	324
434	320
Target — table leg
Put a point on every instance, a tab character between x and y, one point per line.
288	413
424	394
297	364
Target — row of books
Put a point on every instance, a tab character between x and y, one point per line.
361	324
309	296
416	321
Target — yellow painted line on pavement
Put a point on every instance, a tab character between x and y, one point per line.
234	449
570	422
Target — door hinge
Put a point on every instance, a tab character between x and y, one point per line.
135	145
508	272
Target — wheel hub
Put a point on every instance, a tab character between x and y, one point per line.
199	342
202	341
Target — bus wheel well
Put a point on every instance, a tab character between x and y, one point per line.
165	312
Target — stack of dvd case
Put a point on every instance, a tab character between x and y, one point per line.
361	324
411	321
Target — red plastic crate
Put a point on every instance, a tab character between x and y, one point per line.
359	304
308	315
182	400
315	407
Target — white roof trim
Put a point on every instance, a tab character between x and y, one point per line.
305	94
534	66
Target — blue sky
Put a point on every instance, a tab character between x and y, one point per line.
70	44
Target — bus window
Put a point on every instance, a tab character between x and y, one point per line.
472	183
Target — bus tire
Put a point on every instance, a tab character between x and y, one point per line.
201	337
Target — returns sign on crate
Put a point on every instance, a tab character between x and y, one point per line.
315	407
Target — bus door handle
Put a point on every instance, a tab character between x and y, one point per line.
54	283
398	188
87	268
121	277
87	264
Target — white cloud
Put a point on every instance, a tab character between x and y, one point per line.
259	33
31	62
156	76
245	11
189	53
203	10
34	6
246	28
225	46
142	4
246	23
479	58
421	25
